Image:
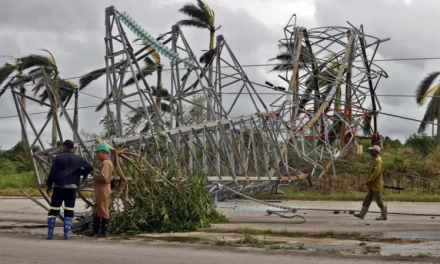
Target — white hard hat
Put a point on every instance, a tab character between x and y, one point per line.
375	147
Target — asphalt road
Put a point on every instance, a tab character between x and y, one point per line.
18	249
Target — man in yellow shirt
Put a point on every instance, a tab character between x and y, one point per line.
375	185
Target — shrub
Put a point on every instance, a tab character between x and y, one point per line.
422	143
168	206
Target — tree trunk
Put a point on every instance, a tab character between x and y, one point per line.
75	116
157	127
23	101
55	116
210	106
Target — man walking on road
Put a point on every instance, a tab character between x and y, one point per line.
375	185
64	179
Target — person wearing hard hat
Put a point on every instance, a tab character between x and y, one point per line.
101	182
375	185
61	186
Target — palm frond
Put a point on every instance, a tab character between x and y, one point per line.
31	61
197	13
164	93
45	69
5	72
193	23
103	103
145	71
67	85
38	86
201	4
90	77
51	57
283	56
149	62
283	67
430	114
155	56
424	86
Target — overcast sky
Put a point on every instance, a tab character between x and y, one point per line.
74	30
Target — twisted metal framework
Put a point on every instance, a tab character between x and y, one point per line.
280	143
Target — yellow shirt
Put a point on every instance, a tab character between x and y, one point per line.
375	179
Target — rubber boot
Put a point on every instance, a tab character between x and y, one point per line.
50	227
383	214
362	213
104	228
95	228
67	227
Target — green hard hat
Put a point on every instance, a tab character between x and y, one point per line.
102	147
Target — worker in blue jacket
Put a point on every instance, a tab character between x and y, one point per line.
62	184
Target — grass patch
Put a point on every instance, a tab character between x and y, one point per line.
328	234
180	239
424	255
371	250
13	181
251	241
328	251
316	195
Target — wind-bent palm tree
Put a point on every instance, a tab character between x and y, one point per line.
17	69
66	89
151	64
201	16
423	92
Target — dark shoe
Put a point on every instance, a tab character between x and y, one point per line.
383	215
362	213
67	227
95	228
104	228
50	227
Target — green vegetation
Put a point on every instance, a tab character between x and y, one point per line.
418	157
161	199
371	250
15	171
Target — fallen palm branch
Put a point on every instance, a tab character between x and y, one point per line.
158	199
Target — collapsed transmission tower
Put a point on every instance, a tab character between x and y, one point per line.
316	119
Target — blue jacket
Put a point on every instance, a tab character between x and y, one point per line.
67	168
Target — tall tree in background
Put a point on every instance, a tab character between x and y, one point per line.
424	91
202	16
16	69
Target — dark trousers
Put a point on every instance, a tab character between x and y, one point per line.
60	195
377	195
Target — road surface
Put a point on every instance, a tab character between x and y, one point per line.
24	249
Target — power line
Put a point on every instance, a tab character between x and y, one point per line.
134	101
276	64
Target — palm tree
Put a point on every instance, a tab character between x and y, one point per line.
201	16
285	58
17	69
66	89
151	64
423	92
